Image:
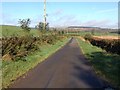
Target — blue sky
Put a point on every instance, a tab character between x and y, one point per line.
100	14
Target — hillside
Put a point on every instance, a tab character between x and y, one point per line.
8	30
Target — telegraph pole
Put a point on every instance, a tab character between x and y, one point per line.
44	15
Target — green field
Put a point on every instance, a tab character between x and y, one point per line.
105	64
97	33
15	31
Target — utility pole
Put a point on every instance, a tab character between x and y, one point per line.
44	15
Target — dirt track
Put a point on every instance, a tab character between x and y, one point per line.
67	68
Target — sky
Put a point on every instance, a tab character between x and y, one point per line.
62	14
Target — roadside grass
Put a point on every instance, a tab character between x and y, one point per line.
106	65
11	70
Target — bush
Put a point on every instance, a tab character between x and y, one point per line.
88	37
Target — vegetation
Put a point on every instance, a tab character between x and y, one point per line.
24	24
14	69
21	51
23	48
112	46
105	65
19	47
13	31
40	26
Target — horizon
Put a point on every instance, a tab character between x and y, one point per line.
63	14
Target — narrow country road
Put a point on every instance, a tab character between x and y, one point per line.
67	68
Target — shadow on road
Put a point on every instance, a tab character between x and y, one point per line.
105	65
85	75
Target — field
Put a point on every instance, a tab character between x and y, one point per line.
107	37
15	31
96	33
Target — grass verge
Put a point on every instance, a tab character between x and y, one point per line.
106	65
13	69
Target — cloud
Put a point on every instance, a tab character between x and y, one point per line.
107	11
62	21
101	23
96	23
68	20
57	12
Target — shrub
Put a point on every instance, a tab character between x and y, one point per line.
88	37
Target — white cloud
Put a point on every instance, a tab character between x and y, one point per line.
96	23
101	23
57	12
107	10
73	21
64	20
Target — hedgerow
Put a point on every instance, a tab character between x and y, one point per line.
19	47
112	46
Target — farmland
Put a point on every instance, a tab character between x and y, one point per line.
15	31
107	37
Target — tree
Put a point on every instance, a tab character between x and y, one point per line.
40	26
24	24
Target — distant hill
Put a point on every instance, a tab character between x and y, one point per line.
81	27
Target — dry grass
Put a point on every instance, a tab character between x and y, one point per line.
107	37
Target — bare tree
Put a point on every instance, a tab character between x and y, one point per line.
24	24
